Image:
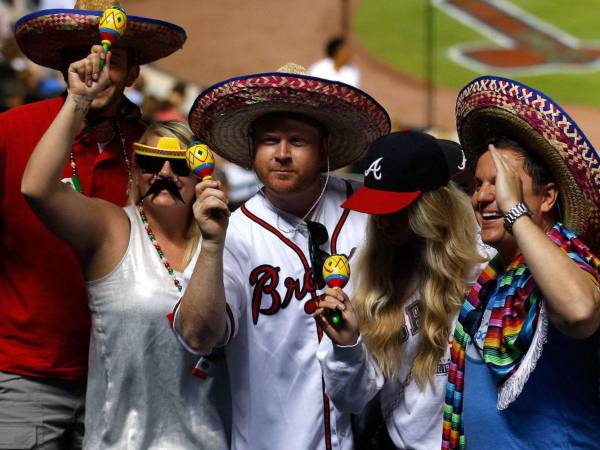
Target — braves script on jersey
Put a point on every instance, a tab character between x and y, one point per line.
278	396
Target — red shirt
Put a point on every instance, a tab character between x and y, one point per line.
44	315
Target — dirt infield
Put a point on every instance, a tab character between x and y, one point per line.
233	37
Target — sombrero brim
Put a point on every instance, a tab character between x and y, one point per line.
490	107
43	35
222	114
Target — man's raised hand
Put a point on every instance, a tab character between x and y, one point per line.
84	76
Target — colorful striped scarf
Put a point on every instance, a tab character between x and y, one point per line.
516	331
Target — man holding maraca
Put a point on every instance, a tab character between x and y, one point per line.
255	285
44	328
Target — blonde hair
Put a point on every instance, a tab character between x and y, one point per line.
181	131
435	262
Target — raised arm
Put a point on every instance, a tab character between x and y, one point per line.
80	221
202	311
571	294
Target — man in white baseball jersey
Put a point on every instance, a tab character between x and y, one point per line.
253	287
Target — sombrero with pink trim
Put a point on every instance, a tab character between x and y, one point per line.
490	107
44	35
223	114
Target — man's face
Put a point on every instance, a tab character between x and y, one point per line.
288	154
121	75
484	204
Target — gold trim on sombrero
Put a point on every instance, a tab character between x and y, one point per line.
167	147
293	68
492	107
44	35
222	114
96	5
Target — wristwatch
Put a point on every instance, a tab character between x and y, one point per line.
519	210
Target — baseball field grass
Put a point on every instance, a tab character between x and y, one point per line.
394	31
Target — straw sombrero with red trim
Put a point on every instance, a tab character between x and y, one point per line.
491	107
44	35
222	115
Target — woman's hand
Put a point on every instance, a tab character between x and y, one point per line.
211	211
346	332
84	76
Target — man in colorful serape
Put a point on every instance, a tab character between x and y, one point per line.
525	366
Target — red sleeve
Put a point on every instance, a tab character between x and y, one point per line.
2	163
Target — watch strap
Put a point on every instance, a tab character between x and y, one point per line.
518	210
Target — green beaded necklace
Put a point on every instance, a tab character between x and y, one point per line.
159	251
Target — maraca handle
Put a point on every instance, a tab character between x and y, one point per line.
106	47
335	317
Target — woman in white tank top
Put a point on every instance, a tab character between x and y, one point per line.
142	392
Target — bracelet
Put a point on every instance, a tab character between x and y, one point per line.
519	210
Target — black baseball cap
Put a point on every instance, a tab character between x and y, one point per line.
402	165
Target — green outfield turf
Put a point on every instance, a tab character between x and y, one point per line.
394	31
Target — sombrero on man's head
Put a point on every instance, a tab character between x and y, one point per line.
43	36
491	107
223	114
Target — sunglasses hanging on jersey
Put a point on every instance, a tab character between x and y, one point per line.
317	236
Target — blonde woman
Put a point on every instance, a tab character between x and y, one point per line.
141	392
409	283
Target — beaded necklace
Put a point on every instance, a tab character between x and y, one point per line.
159	251
75	177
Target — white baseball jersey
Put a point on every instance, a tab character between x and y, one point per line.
279	400
414	415
353	378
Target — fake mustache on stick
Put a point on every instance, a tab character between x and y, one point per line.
166	184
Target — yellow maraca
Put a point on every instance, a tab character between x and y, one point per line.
336	273
200	160
111	26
